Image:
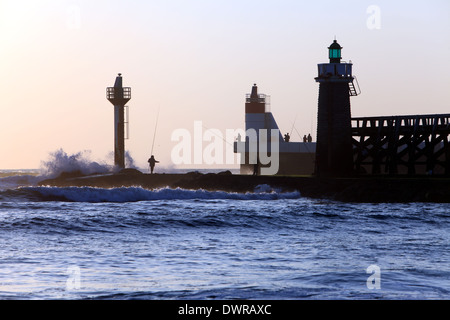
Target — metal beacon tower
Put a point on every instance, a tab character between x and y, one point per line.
334	128
119	96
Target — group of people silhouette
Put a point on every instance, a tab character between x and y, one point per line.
308	138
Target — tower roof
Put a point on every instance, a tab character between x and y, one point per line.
118	83
254	94
335	45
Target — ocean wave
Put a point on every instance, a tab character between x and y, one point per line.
19	180
60	161
136	194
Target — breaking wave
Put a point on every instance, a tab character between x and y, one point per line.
59	162
135	194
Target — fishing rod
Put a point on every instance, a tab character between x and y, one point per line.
154	134
220	137
293	125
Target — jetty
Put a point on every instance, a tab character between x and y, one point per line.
371	189
366	159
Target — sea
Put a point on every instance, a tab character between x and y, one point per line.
174	244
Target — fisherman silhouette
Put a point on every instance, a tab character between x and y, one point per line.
287	137
152	161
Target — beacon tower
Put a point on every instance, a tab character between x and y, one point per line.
119	96
334	156
295	158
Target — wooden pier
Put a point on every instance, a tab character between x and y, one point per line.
414	144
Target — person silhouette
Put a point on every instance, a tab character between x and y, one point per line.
287	137
152	162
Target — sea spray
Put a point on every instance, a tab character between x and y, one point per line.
59	162
129	161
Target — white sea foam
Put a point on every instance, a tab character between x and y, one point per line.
57	163
135	194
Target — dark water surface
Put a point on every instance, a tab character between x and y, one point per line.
85	243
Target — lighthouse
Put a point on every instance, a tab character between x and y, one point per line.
264	137
119	96
334	130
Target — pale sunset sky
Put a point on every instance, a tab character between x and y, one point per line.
194	60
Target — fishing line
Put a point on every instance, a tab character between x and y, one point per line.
292	130
212	131
154	134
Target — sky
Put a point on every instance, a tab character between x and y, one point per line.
194	61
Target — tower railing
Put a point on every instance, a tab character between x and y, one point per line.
262	98
335	69
123	93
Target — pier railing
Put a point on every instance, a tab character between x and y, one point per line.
412	144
